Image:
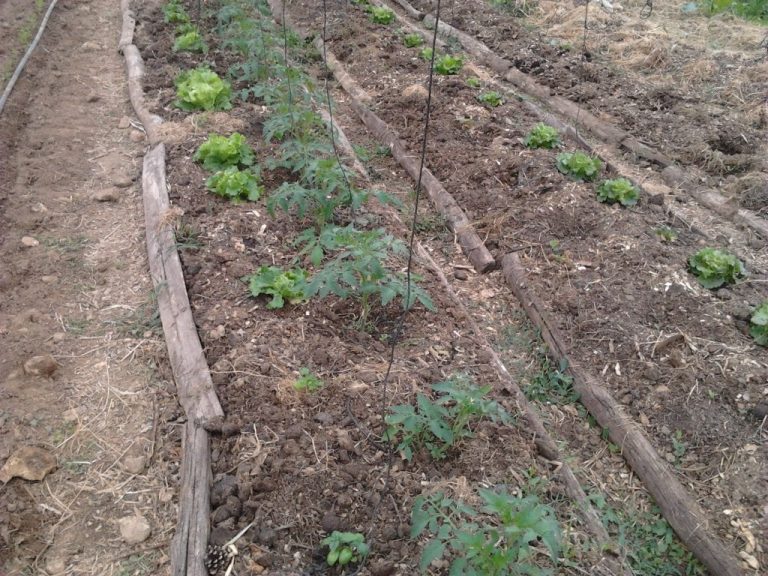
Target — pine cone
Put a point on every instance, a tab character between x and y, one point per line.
216	558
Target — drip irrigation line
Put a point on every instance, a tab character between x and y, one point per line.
23	61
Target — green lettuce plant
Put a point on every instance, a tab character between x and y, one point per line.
202	89
235	184
542	136
578	165
283	285
448	65
189	39
492	99
758	324
618	190
382	15
174	13
220	152
345	548
413	40
714	268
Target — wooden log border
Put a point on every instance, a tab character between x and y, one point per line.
194	385
673	176
683	513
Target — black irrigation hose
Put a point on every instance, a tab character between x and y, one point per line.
23	61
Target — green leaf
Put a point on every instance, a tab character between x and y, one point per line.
619	190
542	136
235	184
713	267
345	556
220	152
448	65
202	89
758	328
578	165
332	557
432	551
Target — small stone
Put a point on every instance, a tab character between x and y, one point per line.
122	180
56	565
44	365
136	136
669	457
662	389
759	411
324	418
460	275
90	46
49	279
107	195
29	242
134	464
134	529
415	92
124	122
30	463
331	522
93	98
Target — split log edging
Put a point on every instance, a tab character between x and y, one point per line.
682	512
194	385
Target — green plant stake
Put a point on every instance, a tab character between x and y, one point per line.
619	190
283	285
758	324
578	165
345	548
542	136
713	267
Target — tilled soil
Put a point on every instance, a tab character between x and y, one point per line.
302	465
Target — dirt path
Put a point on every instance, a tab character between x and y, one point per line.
79	340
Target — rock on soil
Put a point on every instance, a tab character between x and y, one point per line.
134	529
30	463
44	365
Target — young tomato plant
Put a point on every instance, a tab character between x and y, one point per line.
448	65
578	165
358	268
413	40
542	136
492	99
496	540
618	190
220	152
440	425
713	267
235	184
345	548
202	89
758	324
283	285
307	382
